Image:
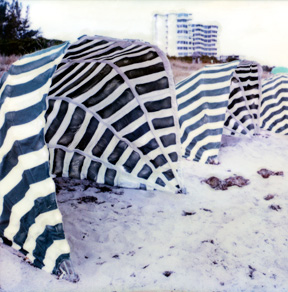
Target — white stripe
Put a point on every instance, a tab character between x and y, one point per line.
103	51
274	99
198	131
129	107
205	141
274	109
124	157
75	84
53	252
96	137
83	46
216	74
109	148
64	124
202	88
21	132
48	218
67	75
201	101
81	132
26	77
66	163
29	59
207	154
148	78
280	125
141	65
94	90
85	167
52	115
198	117
25	162
22	102
101	174
109	99
134	53
36	190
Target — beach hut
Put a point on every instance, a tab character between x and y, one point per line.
218	99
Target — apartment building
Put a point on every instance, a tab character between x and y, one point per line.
177	35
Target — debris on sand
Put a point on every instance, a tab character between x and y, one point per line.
275	207
215	183
239	181
185	213
265	173
251	272
167	273
223	185
269	197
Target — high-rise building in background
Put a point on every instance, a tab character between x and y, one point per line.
177	35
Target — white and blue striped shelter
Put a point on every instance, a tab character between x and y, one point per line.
218	99
29	217
274	104
112	116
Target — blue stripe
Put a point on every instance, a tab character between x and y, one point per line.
59	260
45	240
281	90
200	137
204	120
21	117
41	205
280	130
273	80
3	79
29	176
217	69
203	107
204	148
283	109
19	148
204	81
276	122
28	87
20	69
266	108
275	86
62	48
205	93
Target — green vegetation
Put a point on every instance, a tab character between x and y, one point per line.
16	37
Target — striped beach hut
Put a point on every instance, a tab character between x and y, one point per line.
29	217
112	115
274	104
218	99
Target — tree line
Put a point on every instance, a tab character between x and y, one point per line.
16	36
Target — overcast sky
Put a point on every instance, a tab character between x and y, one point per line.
255	29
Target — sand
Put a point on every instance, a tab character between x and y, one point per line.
206	240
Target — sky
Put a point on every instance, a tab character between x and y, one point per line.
256	30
